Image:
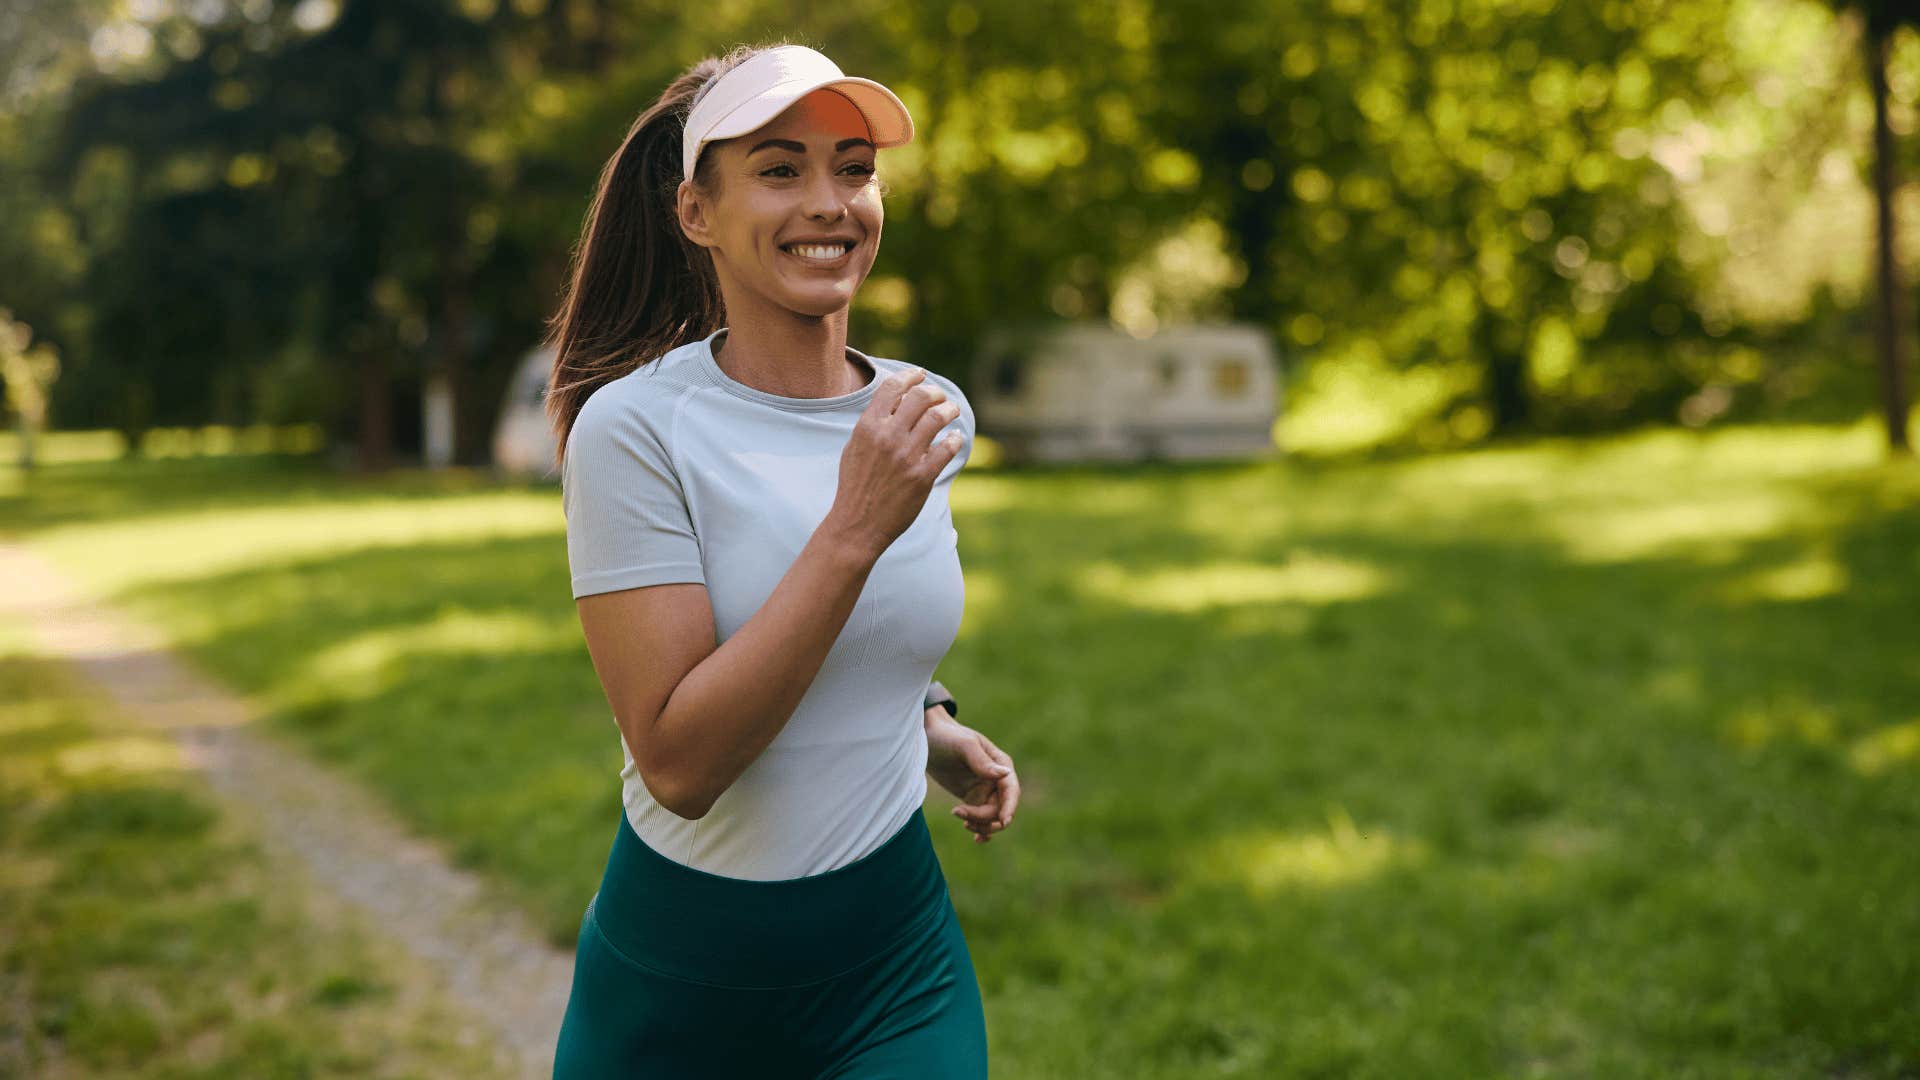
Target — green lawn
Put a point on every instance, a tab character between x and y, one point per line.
144	935
1592	758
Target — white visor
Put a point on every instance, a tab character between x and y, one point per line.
760	89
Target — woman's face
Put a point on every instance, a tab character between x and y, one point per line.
807	174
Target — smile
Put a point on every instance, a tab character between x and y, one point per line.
835	255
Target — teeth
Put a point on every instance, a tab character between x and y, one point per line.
823	252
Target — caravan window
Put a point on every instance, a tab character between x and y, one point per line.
1230	377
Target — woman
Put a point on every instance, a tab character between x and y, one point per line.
765	567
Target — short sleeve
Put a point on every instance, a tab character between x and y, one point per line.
627	518
963	423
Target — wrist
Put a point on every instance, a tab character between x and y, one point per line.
850	540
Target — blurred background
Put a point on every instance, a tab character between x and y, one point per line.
1484	649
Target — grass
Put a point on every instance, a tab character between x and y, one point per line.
1589	758
143	935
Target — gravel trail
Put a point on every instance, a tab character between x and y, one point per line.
488	958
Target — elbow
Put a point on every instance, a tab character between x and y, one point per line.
670	792
689	806
677	797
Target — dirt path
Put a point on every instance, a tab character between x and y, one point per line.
489	959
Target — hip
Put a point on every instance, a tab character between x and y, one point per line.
722	931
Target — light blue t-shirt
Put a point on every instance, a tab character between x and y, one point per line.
677	473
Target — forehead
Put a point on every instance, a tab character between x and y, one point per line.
823	114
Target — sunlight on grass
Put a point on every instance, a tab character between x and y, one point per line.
1357	398
125	755
1630	533
1884	748
372	661
1893	745
1306	577
1270	859
1811	576
184	547
1101	495
211	440
983	494
1753	727
1679	686
986	600
63	448
218	440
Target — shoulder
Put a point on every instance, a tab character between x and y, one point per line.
636	408
886	366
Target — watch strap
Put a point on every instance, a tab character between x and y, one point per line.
938	695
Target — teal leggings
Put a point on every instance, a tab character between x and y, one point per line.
858	972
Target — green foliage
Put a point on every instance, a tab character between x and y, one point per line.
1570	214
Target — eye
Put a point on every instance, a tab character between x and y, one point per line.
860	169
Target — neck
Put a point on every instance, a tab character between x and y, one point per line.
789	354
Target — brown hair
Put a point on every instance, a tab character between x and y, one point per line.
639	288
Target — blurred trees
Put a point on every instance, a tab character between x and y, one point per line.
316	210
296	215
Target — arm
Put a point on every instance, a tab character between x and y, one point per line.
974	770
693	716
721	706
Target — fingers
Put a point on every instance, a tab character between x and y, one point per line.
1009	799
943	452
916	401
979	820
1010	783
922	407
994	812
935	418
886	399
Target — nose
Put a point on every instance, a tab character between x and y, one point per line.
824	202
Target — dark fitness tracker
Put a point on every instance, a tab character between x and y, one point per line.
937	695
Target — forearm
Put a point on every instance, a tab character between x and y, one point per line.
725	712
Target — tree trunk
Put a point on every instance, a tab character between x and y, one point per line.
376	408
1506	380
1888	321
447	368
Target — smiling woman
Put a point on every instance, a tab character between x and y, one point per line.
767	574
793	231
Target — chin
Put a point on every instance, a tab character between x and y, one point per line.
821	303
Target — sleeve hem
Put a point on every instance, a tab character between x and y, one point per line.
633	577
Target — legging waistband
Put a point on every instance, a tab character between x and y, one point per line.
745	933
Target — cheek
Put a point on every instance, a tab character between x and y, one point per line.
871	214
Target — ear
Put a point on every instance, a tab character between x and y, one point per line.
693	215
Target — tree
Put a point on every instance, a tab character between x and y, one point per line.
1882	19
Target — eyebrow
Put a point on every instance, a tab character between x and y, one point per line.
800	148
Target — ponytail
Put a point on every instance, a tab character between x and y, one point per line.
639	288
